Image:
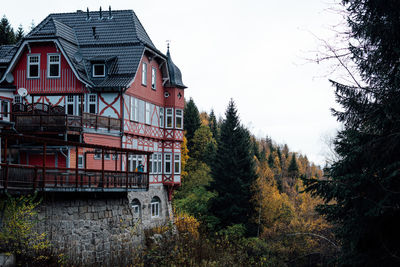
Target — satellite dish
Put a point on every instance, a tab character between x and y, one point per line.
22	92
9	78
78	57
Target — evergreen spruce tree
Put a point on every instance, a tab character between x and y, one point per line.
213	125
362	189
19	34
7	35
271	161
293	168
191	122
233	174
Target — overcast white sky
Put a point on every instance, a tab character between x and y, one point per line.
252	51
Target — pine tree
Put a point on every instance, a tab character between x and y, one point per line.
6	32
271	161
362	189
213	125
19	34
233	174
293	168
191	122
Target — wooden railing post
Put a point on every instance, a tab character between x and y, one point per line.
96	121
109	123
35	178
76	166
102	167
127	169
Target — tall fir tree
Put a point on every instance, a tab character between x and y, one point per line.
19	34
362	189
7	35
191	122
234	174
213	125
293	169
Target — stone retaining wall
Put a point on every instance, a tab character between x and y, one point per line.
99	228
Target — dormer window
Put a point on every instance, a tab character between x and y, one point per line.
53	66
33	66
99	70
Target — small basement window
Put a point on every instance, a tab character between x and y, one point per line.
99	70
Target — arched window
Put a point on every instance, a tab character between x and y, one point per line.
155	207
136	208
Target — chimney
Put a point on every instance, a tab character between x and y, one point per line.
109	12
100	14
87	14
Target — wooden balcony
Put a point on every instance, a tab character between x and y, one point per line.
22	178
14	177
35	118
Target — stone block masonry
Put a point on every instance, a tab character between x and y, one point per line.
101	228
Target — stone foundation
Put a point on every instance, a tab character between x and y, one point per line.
100	228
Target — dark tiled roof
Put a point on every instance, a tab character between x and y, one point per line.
6	53
119	41
175	75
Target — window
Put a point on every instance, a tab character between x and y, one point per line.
107	156
167	163
177	163
155	159
161	117
159	163
169	120
141	110
148	112
99	70
80	161
153	78
134	161
134	109
97	155
5	110
53	66
178	119
92	103
155	207
136	210
70	105
80	102
144	74
33	66
17	99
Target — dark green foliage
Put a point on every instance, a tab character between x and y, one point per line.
233	174
213	125
271	161
7	35
293	168
191	122
19	34
362	194
255	150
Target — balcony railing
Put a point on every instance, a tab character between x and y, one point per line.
26	177
45	118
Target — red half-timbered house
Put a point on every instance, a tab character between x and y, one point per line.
100	97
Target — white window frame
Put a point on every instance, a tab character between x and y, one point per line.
34	63
178	117
104	70
161	112
53	63
147	113
141	111
97	155
18	99
168	161
154	163
82	163
5	114
155	209
92	102
144	73
169	114
153	78
177	163
134	109
159	162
